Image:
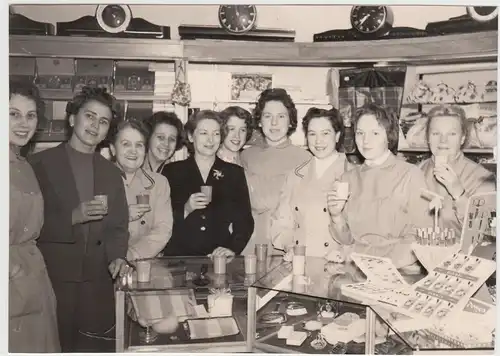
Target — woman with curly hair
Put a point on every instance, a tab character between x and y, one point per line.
202	222
166	138
32	303
84	240
302	215
150	223
267	165
238	128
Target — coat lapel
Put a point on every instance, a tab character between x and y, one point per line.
100	187
215	172
61	175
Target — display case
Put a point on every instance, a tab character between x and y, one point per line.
187	288
310	314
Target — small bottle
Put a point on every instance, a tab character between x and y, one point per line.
299	260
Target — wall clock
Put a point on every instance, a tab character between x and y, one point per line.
375	21
237	19
482	13
369	23
113	18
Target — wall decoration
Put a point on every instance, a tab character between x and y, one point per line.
248	86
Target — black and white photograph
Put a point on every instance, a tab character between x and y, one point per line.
268	178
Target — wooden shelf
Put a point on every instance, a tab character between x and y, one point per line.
457	48
465	150
438	49
95	47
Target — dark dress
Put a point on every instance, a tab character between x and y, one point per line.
226	222
78	256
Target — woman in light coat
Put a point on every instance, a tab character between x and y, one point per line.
302	216
456	177
32	302
150	224
385	204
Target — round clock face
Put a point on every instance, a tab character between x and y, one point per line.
113	18
371	19
237	18
482	13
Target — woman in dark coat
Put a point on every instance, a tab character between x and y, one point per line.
202	227
84	241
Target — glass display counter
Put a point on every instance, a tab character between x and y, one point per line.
177	298
322	320
330	322
185	307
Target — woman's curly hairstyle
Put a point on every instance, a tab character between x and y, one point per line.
28	90
93	94
241	113
193	121
276	94
332	115
168	118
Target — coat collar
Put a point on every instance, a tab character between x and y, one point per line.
216	172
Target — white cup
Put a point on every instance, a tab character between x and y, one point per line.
143	271
440	160
103	199
342	189
207	190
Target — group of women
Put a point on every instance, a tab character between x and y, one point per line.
67	244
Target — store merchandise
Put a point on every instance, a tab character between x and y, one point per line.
480	215
378	269
210	328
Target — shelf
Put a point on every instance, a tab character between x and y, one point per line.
438	49
133	96
466	150
56	95
95	47
457	48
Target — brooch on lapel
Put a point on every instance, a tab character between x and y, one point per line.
218	174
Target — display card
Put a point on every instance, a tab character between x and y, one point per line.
479	221
378	269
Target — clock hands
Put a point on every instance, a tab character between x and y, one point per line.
362	21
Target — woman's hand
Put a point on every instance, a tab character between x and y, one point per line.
196	201
222	251
449	179
137	211
88	211
118	267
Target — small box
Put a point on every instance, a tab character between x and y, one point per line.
139	110
296	338
21	68
93	73
285	331
55	74
220	304
134	77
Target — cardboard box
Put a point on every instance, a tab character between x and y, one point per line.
55	74
133	76
21	68
94	73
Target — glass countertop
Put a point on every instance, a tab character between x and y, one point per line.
198	273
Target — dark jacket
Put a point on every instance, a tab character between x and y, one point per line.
205	229
62	244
